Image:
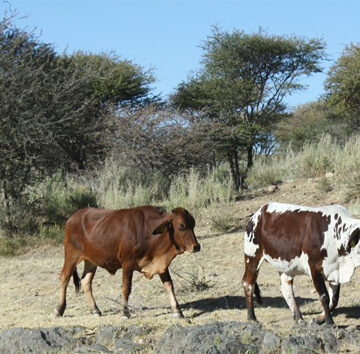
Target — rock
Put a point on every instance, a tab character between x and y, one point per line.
271	189
218	337
21	340
271	343
96	348
293	345
126	346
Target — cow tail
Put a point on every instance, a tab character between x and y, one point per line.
76	280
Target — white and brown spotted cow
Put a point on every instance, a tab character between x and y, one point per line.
321	242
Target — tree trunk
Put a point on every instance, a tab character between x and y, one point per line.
250	161
234	167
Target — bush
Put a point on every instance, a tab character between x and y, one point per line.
194	192
347	166
324	185
58	198
11	246
52	233
314	160
220	221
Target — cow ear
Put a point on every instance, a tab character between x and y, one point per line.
354	239
162	227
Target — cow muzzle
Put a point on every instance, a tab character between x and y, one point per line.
196	248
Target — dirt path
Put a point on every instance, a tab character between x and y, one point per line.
29	285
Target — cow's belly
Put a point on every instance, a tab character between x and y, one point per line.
339	270
295	266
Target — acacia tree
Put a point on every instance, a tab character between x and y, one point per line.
242	84
343	88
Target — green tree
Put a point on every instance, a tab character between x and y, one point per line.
242	84
343	87
306	124
55	112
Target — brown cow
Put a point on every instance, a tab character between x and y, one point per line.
145	239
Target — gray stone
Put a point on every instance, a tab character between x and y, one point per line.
21	340
271	343
95	348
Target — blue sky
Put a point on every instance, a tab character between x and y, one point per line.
166	35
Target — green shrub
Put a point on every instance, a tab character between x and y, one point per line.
52	233
220	221
12	246
324	185
195	192
314	160
347	167
59	197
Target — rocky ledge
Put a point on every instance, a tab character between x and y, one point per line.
217	337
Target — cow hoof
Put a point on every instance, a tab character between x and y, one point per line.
125	317
96	313
178	315
58	312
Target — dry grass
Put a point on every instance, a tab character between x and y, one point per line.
30	286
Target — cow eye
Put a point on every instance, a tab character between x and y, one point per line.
181	227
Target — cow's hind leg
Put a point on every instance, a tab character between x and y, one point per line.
127	275
320	287
288	293
334	292
169	287
66	273
258	294
86	283
249	281
76	281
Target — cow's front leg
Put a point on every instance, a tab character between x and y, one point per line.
288	293
127	275
334	292
169	287
320	287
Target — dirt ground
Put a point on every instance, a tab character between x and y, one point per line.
29	284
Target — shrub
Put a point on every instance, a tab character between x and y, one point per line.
324	185
195	192
11	246
314	160
347	166
52	233
58	198
192	279
220	221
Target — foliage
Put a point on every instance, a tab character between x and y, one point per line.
343	87
324	185
58	198
312	160
306	124
157	140
242	85
12	246
191	279
195	192
347	166
54	112
220	221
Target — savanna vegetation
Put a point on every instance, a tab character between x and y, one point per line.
86	129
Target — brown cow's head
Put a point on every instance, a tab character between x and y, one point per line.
180	226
